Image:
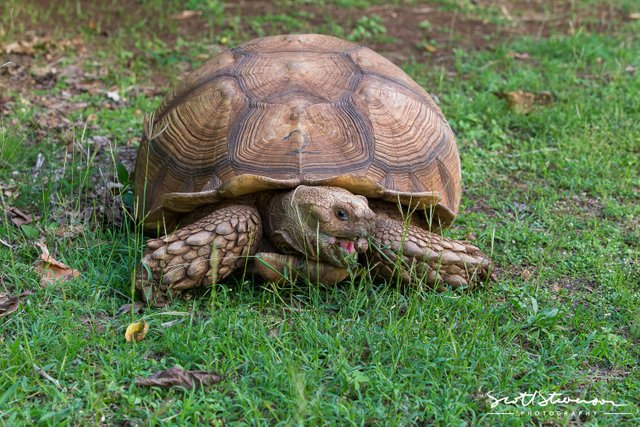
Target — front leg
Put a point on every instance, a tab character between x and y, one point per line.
417	255
281	268
200	253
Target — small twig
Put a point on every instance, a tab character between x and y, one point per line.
171	323
56	62
47	376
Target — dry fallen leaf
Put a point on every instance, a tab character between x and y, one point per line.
523	102
51	270
9	190
69	231
179	377
10	303
137	308
19	48
29	45
430	48
18	218
136	331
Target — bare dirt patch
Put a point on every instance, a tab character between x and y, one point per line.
407	36
479	27
425	32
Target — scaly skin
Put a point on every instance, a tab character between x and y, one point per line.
419	256
305	221
183	259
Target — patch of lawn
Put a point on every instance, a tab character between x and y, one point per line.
553	195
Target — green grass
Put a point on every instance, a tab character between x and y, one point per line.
553	194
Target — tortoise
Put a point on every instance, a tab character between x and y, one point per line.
299	155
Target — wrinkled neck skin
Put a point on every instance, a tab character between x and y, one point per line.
328	224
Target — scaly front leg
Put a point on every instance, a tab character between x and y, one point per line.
199	253
417	255
281	268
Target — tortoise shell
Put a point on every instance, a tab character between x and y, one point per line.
281	111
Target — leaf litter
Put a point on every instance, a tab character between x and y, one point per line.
524	102
51	270
10	303
179	377
136	308
19	218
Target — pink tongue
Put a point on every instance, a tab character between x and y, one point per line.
348	245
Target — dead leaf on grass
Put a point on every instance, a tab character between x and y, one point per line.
69	231
9	190
10	303
136	331
634	15
52	270
29	45
523	102
178	377
21	47
430	48
137	308
18	218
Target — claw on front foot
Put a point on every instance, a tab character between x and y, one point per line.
198	254
418	256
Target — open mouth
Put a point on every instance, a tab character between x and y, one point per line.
342	251
348	246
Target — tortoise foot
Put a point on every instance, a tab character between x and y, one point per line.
279	268
200	253
418	256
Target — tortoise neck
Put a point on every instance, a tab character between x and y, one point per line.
280	219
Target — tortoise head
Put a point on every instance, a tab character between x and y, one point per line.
329	224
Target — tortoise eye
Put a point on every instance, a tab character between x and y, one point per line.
342	215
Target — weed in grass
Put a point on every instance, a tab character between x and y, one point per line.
368	27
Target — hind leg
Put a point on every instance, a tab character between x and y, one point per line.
200	253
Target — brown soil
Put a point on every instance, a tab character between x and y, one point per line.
404	39
449	29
